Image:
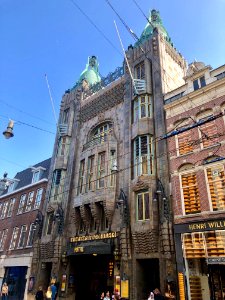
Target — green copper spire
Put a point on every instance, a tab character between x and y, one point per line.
154	22
91	73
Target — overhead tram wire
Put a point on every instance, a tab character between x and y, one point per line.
96	27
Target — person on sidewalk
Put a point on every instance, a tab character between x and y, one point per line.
4	291
39	295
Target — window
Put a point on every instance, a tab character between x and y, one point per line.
3	239
216	181
62	146
208	133
142	107
143	212
0	208
12	186
190	193
185	144
22	236
103	220
101	132
4	209
81	177
50	221
14	238
11	206
90	174
101	170
57	176
38	198
113	168
143	155
199	83
29	201
64	116
21	204
140	71
31	235
36	176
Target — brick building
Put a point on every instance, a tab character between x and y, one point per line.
108	223
196	146
21	213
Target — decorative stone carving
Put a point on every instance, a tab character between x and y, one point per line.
140	185
145	242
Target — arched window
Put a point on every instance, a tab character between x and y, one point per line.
99	135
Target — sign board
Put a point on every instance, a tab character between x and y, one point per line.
124	289
200	226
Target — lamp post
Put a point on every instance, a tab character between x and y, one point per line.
123	205
8	133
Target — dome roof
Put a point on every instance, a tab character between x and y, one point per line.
91	73
154	22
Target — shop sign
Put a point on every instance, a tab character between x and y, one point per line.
101	236
216	260
200	226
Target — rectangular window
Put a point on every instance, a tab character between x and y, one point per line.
62	146
81	177
140	71
143	155
90	174
21	204
57	176
113	168
65	116
101	170
23	234
202	81
190	193
29	201
143	212
208	133
185	145
195	84
11	187
31	235
216	181
14	238
199	83
3	239
50	221
38	198
142	107
36	176
11	206
4	209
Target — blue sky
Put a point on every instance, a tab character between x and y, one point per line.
54	37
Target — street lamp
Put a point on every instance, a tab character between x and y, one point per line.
8	133
123	205
163	202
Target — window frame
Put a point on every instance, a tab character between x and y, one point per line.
21	204
200	130
30	200
101	170
81	183
14	238
142	194
11	206
90	174
38	198
4	209
138	104
139	70
32	231
23	234
3	238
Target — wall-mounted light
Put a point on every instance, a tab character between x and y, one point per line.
8	133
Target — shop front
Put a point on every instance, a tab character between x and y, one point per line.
200	250
93	267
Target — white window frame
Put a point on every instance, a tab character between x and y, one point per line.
137	107
21	204
3	238
4	209
36	176
38	198
30	200
11	206
32	229
23	231
14	238
211	166
138	159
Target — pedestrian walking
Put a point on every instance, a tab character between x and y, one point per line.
107	296
4	291
158	295
49	293
39	295
151	296
54	291
102	296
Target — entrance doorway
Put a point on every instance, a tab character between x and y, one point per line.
16	280
147	274
91	275
217	281
45	275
